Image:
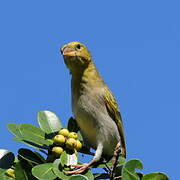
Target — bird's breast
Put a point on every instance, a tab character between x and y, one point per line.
95	123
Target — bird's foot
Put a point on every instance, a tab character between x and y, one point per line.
81	169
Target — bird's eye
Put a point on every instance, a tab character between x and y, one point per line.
78	46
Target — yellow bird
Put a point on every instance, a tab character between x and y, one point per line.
93	105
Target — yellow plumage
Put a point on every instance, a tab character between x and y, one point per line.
93	104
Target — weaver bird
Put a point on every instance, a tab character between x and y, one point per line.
93	105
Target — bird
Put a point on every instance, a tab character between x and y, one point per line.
93	105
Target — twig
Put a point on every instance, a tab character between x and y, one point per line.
115	160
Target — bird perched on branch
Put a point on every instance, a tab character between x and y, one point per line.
94	107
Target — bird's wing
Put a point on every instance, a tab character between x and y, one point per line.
114	113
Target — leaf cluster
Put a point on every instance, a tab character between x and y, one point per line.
40	164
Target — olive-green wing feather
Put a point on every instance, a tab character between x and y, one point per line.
114	113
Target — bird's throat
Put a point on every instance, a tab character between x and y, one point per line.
89	77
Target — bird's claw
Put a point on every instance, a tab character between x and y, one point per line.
81	169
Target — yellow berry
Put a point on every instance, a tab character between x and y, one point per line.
78	145
57	151
10	173
71	143
59	139
73	135
64	132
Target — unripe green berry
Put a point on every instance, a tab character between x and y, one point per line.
73	135
64	132
59	139
71	143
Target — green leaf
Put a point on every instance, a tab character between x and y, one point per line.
2	171
44	171
155	176
5	177
78	177
20	172
58	170
101	176
34	134
80	136
39	147
14	129
63	159
72	125
49	122
40	156
118	170
89	175
6	159
29	156
128	170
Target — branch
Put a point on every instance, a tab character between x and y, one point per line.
117	152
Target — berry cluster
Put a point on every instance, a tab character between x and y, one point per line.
65	140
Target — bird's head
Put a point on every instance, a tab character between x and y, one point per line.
76	56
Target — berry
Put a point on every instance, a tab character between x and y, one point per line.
57	151
64	132
73	135
71	143
59	139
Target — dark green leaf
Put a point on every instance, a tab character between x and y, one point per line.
128	170
34	134
40	147
72	125
58	170
78	177
44	171
155	176
49	122
6	159
40	156
20	172
98	176
29	156
118	170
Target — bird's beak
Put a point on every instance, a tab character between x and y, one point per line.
67	51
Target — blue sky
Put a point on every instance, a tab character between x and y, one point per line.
135	46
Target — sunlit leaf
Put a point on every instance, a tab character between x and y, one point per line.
14	129
34	134
71	159
63	158
44	171
49	122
